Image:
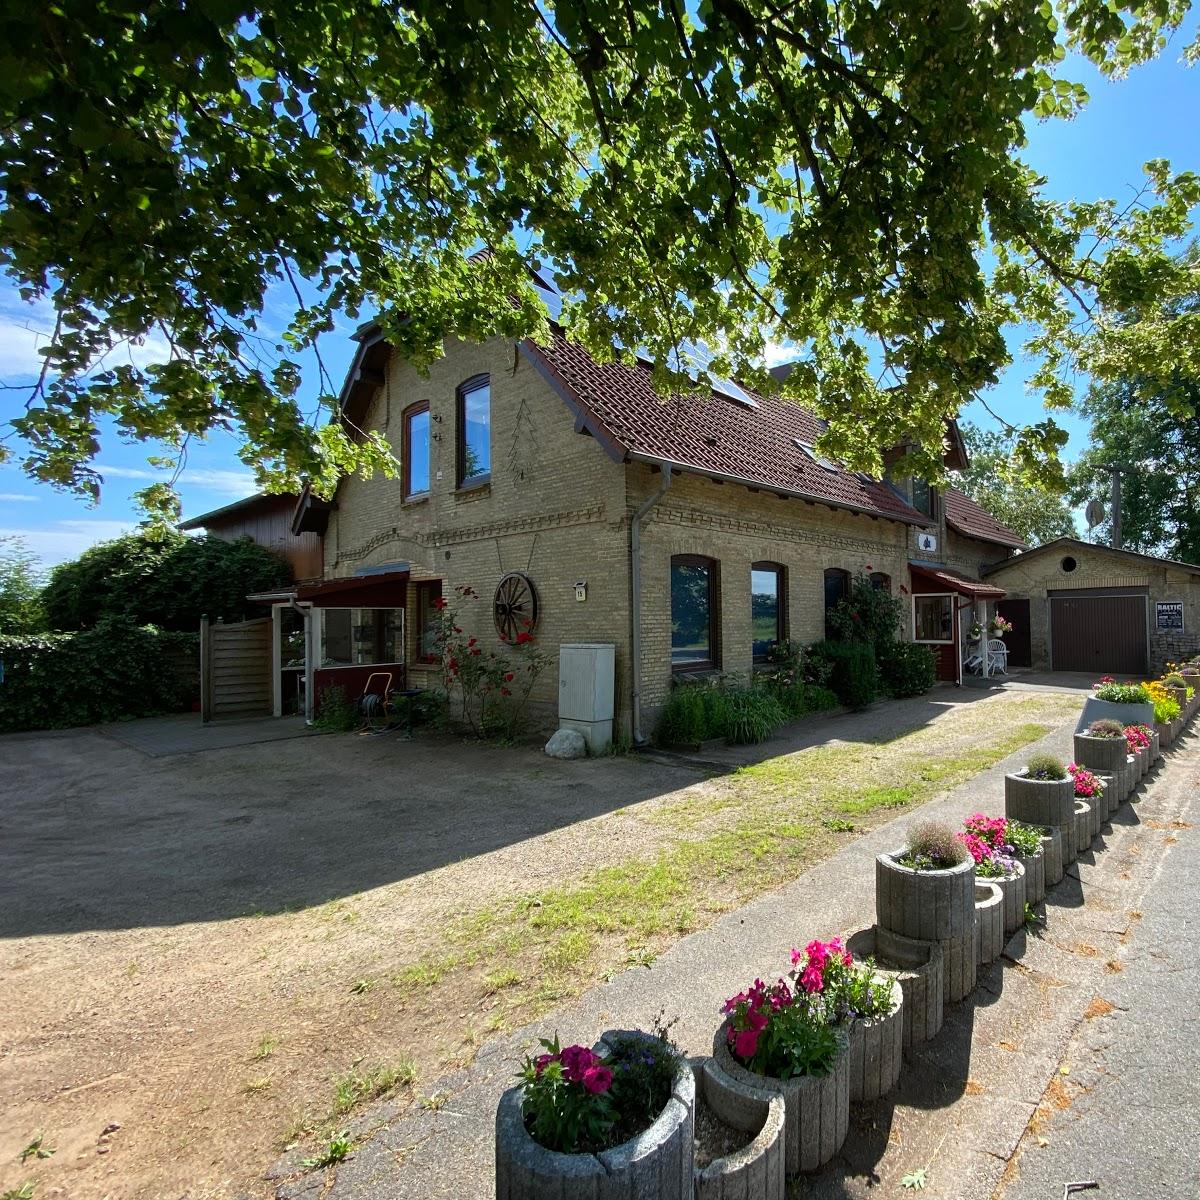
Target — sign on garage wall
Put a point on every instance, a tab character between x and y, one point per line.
1168	614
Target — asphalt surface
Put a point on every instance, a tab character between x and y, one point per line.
1126	1114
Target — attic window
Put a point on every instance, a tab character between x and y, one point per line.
821	462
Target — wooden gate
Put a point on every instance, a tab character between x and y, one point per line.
1098	633
1019	643
235	669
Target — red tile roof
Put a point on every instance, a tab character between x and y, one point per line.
956	581
969	519
752	443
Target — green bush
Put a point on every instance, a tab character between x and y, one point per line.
1122	693
693	713
869	614
751	717
1106	727
933	846
853	677
1174	680
164	579
336	713
906	669
116	671
1046	766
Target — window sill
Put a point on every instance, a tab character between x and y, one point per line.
930	642
413	501
696	670
474	491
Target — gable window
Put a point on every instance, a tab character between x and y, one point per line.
837	589
933	619
416	450
693	613
768	604
428	593
474	432
924	497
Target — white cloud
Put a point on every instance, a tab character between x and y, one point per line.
63	540
230	483
16	498
779	352
21	333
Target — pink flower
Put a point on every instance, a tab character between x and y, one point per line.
542	1062
811	979
576	1060
745	1043
597	1080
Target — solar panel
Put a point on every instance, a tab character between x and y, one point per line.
821	462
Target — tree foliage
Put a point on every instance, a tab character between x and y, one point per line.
161	578
1158	457
823	174
1036	514
20	583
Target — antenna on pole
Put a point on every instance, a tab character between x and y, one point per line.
1116	507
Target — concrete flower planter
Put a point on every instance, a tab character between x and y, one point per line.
1015	891
1155	747
758	1168
816	1111
877	1051
1035	875
1166	733
989	922
932	906
1127	714
1179	695
1142	759
1048	802
917	967
1052	852
1083	825
658	1162
1100	753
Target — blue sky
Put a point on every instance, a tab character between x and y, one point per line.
1150	114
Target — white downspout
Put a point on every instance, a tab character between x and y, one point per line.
635	578
306	615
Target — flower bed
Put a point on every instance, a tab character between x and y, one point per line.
1044	794
986	840
605	1123
1090	787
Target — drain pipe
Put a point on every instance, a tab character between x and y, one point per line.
635	568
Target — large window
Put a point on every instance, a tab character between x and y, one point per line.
693	613
356	636
768	606
933	619
837	589
416	450
924	498
427	596
474	432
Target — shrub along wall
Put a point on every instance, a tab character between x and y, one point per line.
115	671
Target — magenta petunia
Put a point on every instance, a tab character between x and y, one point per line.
597	1079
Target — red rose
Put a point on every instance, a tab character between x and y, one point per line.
523	638
439	603
509	677
505	692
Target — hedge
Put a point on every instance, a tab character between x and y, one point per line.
113	672
907	669
854	677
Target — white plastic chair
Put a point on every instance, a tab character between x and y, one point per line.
973	663
997	653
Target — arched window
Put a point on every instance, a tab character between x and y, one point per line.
768	607
837	588
474	435
693	613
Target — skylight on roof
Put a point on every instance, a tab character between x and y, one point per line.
821	462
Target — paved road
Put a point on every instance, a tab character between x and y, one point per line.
1127	1113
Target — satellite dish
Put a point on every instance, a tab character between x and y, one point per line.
1094	513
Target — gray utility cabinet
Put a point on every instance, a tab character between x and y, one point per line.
587	691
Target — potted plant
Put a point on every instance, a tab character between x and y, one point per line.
598	1122
998	626
986	840
1124	702
1177	686
1137	738
776	1039
1028	844
1094	790
870	1006
917	967
1102	746
926	890
989	922
1166	711
1044	794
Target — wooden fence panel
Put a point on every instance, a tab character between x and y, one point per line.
235	669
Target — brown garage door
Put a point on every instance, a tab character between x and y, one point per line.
1102	633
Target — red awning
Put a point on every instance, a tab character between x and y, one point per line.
953	581
383	590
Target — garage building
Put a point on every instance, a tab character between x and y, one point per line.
1076	606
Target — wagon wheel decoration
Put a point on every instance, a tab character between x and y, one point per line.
515	607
